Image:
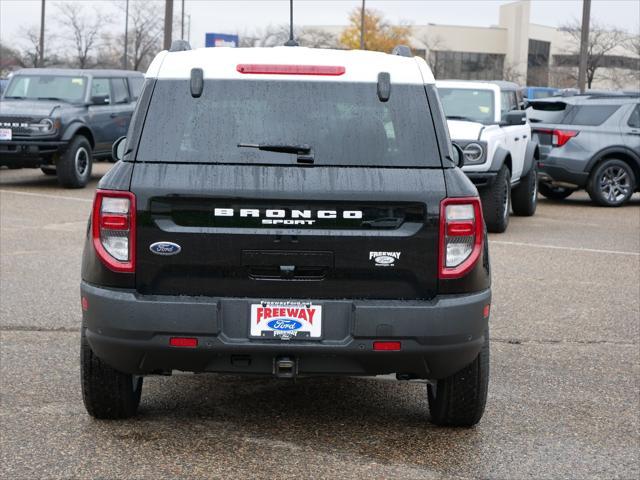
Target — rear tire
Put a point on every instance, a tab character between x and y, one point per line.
611	183
74	166
496	202
554	193
48	170
106	392
524	199
459	400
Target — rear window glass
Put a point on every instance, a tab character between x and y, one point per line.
589	115
343	123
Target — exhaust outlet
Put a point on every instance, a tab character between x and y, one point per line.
285	367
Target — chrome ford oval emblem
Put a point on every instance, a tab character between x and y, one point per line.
285	324
165	248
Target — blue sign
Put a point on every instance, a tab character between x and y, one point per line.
220	40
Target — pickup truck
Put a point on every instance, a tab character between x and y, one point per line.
487	120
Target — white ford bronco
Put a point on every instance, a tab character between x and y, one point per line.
487	121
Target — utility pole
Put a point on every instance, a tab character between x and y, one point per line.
168	23
362	27
126	35
40	61
182	22
584	44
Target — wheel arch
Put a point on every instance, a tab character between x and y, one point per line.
501	156
623	154
79	129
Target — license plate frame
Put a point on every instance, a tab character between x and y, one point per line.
285	320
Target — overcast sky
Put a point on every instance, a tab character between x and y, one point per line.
233	16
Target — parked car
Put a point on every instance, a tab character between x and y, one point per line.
287	211
535	93
60	120
590	142
486	119
3	84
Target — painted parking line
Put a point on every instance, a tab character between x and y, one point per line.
44	195
557	247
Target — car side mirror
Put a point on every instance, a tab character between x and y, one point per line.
99	100
458	155
117	150
515	117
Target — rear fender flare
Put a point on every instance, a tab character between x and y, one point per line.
531	154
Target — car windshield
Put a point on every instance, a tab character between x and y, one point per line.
341	123
47	87
468	104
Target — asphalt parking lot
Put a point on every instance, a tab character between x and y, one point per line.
563	399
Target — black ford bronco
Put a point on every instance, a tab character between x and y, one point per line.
59	120
287	212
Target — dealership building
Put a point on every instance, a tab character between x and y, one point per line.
516	50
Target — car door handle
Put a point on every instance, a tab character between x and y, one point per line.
517	138
113	115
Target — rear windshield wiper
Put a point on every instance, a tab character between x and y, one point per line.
304	153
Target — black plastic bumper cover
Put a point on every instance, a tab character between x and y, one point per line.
131	332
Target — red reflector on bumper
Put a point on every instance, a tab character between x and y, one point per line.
386	346
183	342
486	311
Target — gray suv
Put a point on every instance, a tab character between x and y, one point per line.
59	120
590	142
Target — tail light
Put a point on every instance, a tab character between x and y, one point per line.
113	227
461	236
558	137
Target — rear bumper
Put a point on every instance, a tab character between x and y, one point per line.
563	166
131	332
29	153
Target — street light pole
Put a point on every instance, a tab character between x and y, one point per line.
126	35
182	22
362	27
584	44
40	61
168	23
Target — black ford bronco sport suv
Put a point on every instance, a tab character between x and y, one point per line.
287	212
59	120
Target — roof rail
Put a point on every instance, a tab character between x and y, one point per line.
402	50
179	46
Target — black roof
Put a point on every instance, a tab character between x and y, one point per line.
71	72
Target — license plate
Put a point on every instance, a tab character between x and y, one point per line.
286	320
5	134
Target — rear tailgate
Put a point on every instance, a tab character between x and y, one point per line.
287	231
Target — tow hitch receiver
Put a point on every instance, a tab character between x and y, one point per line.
285	367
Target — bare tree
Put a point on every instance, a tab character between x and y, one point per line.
433	44
317	38
275	35
511	73
602	41
144	37
270	36
30	52
84	31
